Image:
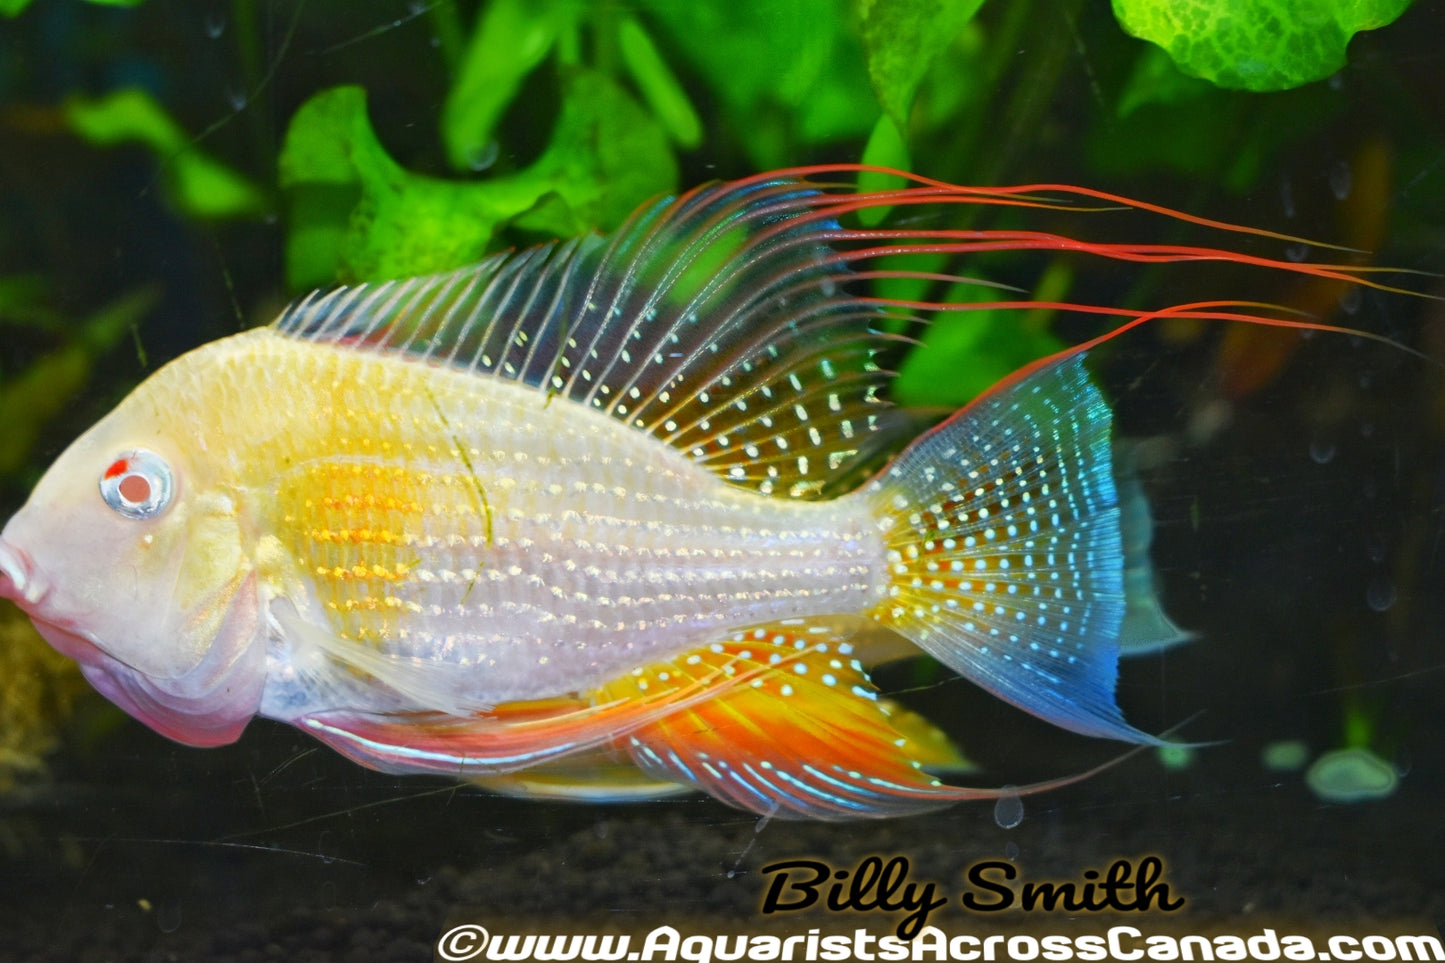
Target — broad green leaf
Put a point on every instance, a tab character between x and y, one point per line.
607	155
511	39
957	81
1256	44
885	148
902	38
358	215
198	184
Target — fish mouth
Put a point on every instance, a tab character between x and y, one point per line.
22	583
19	580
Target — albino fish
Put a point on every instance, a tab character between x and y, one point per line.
577	520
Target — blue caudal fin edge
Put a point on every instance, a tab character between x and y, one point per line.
1005	549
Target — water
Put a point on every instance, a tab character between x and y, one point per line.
1297	549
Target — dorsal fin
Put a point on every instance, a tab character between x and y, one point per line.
724	321
718	322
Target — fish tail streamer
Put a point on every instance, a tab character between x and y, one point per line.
1006	552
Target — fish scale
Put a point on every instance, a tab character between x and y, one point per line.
558	542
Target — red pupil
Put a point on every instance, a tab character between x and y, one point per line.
134	489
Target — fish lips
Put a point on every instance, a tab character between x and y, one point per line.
19	579
208	706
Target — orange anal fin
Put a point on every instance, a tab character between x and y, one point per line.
803	734
928	745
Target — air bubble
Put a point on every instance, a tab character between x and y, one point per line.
1342	179
482	156
1297	252
1008	811
215	25
1375	547
1322	452
1011	851
1351	300
168	915
237	98
1380	593
1286	197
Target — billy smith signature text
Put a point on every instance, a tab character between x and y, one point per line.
989	886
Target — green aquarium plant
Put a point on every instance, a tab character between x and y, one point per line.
39	689
1355	772
1351	775
1256	44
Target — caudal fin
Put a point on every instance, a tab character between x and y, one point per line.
1006	555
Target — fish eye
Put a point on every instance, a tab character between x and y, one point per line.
138	484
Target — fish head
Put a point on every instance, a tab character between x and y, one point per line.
133	563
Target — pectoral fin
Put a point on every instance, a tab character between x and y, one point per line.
504	739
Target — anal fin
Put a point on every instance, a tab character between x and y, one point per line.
596	776
780	720
804	734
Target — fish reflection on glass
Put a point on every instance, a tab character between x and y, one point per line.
570	520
